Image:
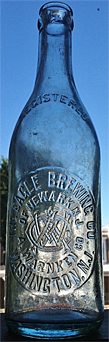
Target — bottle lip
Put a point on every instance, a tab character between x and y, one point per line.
55	12
56	4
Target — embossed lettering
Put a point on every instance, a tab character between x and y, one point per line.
24	277
89	209
46	97
79	243
75	277
19	200
31	204
56	282
51	179
40	266
72	104
50	267
67	261
46	287
79	191
24	191
63	99
85	200
35	182
21	271
23	218
43	196
90	257
83	266
91	235
55	96
79	223
40	99
76	211
52	196
68	202
54	230
61	198
70	182
59	265
73	257
32	282
61	181
38	282
34	103
66	281
91	226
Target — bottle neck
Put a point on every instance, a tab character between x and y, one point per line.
55	56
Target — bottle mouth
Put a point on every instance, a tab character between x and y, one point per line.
54	13
55	5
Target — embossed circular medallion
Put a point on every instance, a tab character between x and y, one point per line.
52	232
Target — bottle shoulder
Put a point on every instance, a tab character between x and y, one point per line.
54	124
56	131
55	107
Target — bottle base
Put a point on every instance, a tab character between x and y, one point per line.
53	331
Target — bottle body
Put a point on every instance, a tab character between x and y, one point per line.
54	286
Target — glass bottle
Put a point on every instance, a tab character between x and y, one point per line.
54	263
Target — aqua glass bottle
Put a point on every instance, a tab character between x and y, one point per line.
53	253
